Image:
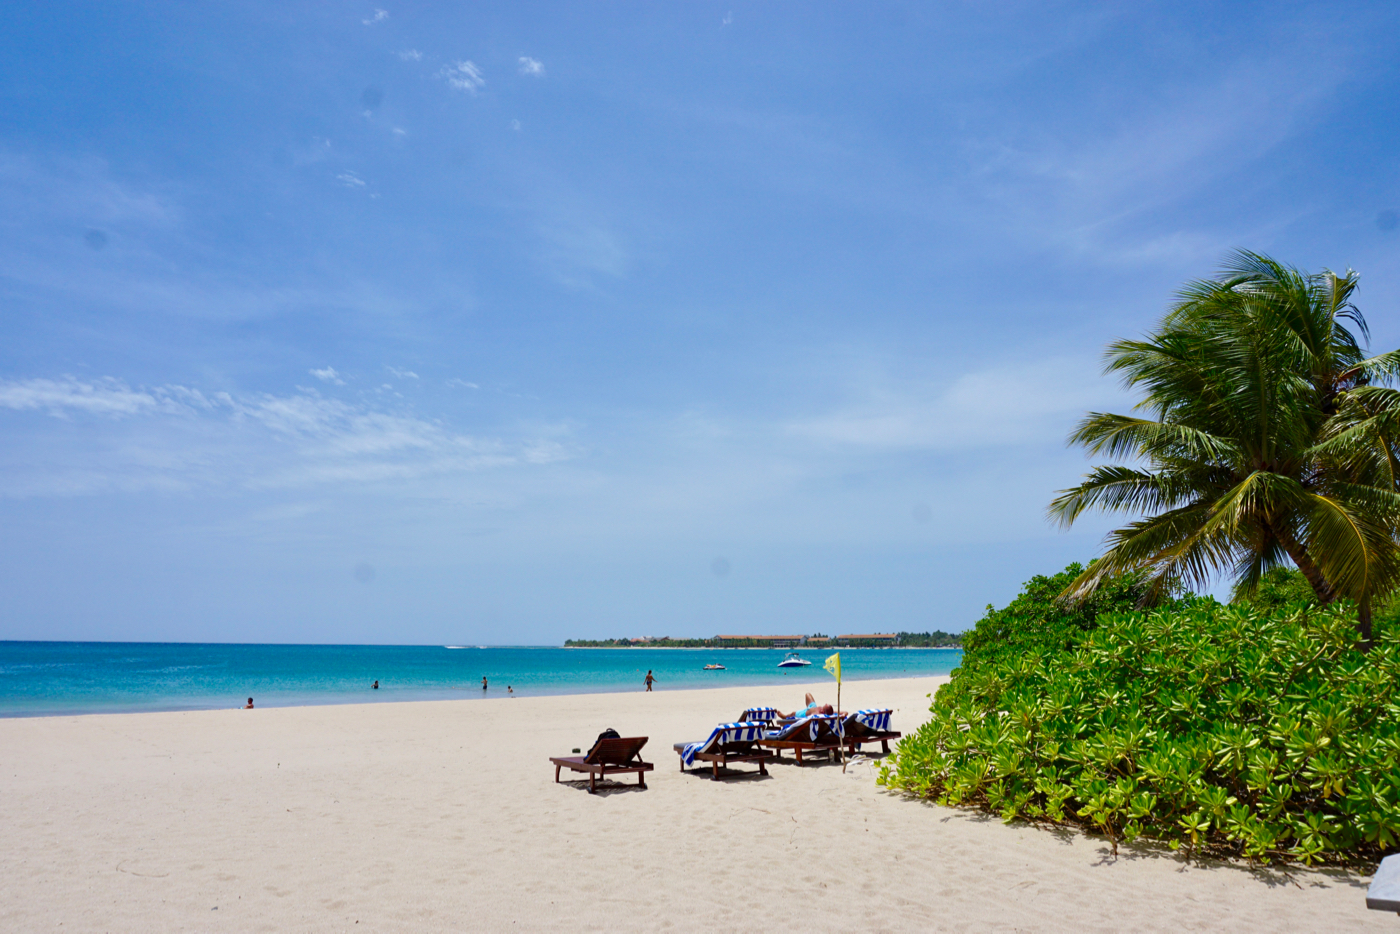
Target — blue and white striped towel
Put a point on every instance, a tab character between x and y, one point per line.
761	714
876	718
810	725
742	732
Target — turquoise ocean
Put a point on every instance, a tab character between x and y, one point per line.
60	678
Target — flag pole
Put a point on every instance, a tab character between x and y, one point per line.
838	722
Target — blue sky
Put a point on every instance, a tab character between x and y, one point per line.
504	323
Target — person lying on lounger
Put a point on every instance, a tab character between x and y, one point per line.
800	712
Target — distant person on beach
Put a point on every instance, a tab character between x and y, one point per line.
483	682
510	690
249	705
375	685
650	679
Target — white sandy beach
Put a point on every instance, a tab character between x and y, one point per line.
445	816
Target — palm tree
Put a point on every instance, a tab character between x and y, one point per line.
1266	442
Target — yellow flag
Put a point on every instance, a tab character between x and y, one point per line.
833	665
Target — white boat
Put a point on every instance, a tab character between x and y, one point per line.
793	661
714	668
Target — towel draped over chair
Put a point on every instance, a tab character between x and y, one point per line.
743	732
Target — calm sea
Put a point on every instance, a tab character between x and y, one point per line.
48	678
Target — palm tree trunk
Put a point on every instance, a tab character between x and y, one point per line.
1304	561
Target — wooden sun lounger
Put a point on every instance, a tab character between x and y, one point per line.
799	747
826	742
607	757
730	752
858	733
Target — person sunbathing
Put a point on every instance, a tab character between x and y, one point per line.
801	712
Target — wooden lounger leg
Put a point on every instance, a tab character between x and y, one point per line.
592	783
642	779
799	756
715	765
556	774
885	745
761	769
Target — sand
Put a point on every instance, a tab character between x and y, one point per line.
445	816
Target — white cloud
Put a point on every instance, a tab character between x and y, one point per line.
402	374
1012	405
531	66
400	131
378	17
328	375
463	76
350	180
106	396
515	125
728	18
257	441
411	55
454	383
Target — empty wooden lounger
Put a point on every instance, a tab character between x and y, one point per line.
607	757
728	742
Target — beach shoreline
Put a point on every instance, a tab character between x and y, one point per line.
470	694
437	816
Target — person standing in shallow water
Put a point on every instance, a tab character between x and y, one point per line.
650	679
483	682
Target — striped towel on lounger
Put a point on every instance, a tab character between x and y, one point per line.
724	733
876	718
810	727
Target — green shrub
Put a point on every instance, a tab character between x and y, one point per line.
1036	620
1279	587
1231	730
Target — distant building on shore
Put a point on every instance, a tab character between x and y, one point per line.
776	642
871	638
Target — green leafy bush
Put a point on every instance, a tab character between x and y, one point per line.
1036	620
1231	730
1279	587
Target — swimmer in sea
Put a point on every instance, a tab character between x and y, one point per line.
249	705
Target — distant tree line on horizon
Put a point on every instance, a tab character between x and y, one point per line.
920	640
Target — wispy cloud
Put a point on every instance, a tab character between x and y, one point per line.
463	76
350	180
254	441
531	66
328	375
455	383
378	16
1012	405
411	55
402	374
104	397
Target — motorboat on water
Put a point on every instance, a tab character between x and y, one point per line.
715	668
793	660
